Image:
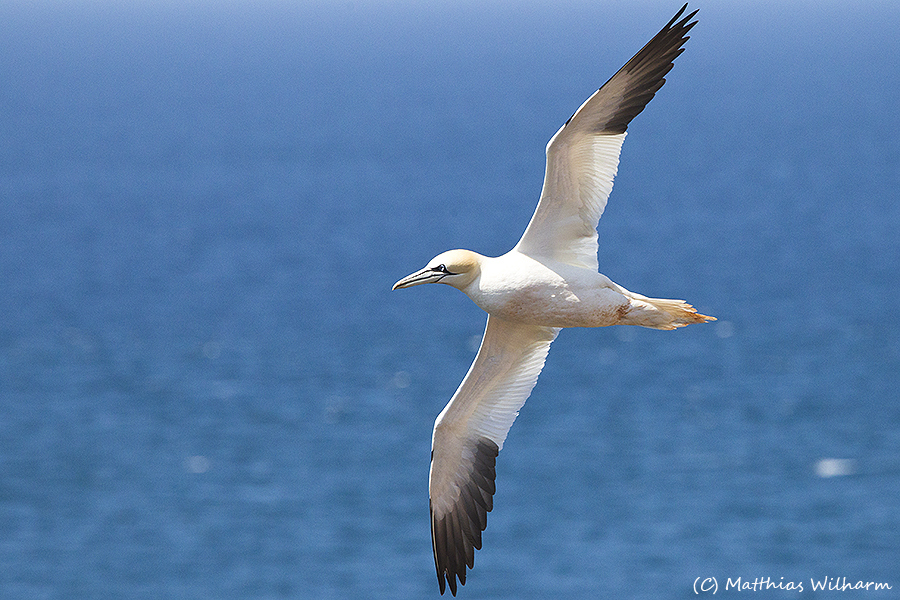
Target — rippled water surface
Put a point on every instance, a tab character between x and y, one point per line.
207	389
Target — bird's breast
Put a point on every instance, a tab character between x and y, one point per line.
541	296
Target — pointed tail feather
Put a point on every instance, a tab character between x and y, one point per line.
662	313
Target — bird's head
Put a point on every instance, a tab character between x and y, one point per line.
454	267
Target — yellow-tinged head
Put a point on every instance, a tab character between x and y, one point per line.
454	267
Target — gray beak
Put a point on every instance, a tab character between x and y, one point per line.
418	278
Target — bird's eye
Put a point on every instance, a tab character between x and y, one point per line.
440	269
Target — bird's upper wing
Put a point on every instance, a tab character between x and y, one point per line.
469	433
583	156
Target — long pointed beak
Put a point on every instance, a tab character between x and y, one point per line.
418	278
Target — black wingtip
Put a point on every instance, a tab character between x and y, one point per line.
650	65
683	24
678	15
455	535
673	27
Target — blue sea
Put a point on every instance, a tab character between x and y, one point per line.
208	390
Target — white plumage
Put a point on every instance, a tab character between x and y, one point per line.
548	281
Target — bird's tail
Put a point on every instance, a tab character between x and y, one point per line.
661	313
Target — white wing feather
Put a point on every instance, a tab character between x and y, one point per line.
577	183
469	433
583	156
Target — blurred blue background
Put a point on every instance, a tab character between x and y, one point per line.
207	389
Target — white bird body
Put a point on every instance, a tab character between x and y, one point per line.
548	281
541	291
517	287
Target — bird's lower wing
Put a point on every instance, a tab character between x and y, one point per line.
469	433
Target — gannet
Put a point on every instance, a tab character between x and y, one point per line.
548	281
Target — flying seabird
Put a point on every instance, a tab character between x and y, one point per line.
548	281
